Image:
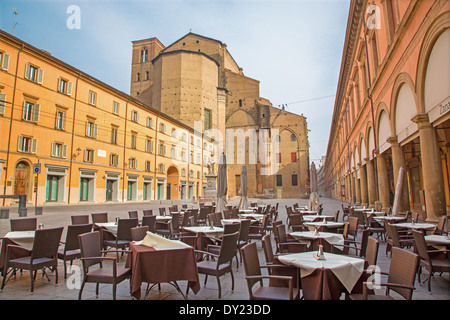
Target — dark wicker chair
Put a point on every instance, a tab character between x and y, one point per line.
71	249
133	214
123	237
426	261
99	217
138	233
42	255
401	277
285	245
253	275
222	262
150	222
91	254
23	224
80	219
147	212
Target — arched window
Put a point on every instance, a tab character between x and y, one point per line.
138	77
144	55
293	138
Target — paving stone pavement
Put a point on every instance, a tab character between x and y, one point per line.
53	216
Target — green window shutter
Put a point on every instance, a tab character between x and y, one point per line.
40	77
5	64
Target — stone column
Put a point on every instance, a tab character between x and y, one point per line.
398	161
433	182
383	180
357	188
352	188
363	185
371	191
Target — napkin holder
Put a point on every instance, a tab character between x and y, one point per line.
320	255
324	221
316	232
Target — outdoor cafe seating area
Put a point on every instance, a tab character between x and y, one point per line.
280	252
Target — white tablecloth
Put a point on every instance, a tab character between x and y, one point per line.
110	226
409	225
313	225
331	238
315	217
215	232
22	238
347	269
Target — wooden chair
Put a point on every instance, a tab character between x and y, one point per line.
162	211
99	217
441	225
401	277
296	222
23	224
138	233
394	239
268	249
71	249
353	227
123	237
336	216
44	254
285	245
258	231
244	232
91	255
203	216
372	251
360	251
150	222
426	261
222	261
253	276
80	219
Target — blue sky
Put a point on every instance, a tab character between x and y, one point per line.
293	47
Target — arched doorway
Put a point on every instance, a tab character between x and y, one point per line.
21	178
173	183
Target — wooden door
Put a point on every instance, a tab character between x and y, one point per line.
21	180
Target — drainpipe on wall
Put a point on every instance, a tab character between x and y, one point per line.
73	134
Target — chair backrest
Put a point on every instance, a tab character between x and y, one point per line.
175	221
251	263
186	219
123	228
403	269
372	251
244	230
219	217
23	224
421	245
138	233
231	228
147	212
80	219
212	219
149	221
228	248
226	214
234	213
296	219
162	211
414	217
336	216
364	238
345	231
73	231
267	248
90	247
441	224
203	214
173	208
319	212
132	214
392	233
353	223
192	221
99	217
281	233
46	243
193	213
274	228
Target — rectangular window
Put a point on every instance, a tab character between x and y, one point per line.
33	73
147	166
4	61
162	150
114	136
162	128
134	116
91	129
59	150
278	157
60	120
208	119
65	86
161	168
2	103
114	160
115	107
279	180
92	98
294	156
26	144
133	141
149	122
31	111
88	155
294	180
133	163
148	145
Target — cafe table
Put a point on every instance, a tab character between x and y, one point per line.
156	260
305	212
416	226
199	231
329	225
24	239
231	221
253	216
390	219
308	236
246	211
315	217
326	279
440	242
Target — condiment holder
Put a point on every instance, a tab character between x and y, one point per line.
320	255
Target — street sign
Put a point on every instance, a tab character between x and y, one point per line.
36	168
